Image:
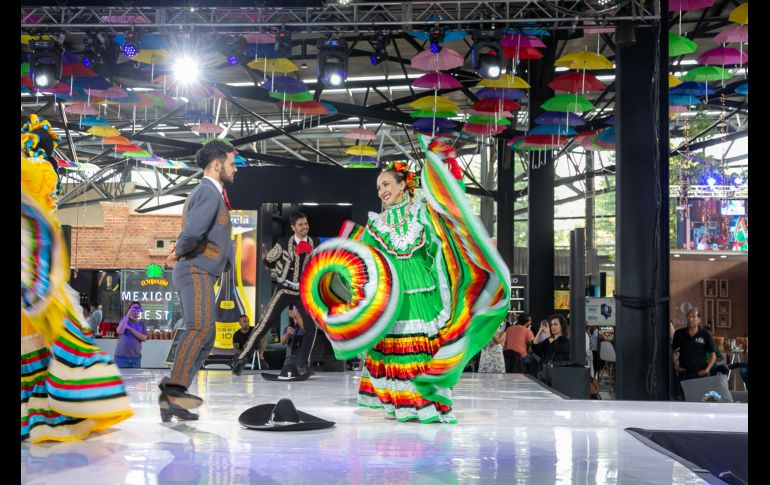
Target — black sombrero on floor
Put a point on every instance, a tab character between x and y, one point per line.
282	416
290	373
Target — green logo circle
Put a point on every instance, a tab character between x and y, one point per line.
154	271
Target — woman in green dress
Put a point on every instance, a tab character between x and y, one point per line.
449	291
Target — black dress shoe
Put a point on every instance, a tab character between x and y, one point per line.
177	396
180	413
238	365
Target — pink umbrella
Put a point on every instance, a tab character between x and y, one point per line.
689	5
672	110
260	38
208	128
58	88
739	33
360	134
499	114
81	109
722	56
513	40
446	59
436	80
475	129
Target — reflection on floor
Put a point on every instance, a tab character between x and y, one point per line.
511	430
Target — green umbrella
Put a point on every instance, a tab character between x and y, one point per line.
24	69
424	113
488	120
360	165
679	46
568	103
137	154
156	100
707	73
298	97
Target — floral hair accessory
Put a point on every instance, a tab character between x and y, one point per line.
712	396
448	152
409	177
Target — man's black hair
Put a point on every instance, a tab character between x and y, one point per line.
295	217
213	150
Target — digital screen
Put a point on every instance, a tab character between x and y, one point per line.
733	207
713	225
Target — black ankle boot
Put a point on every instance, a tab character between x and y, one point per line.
168	410
177	396
238	365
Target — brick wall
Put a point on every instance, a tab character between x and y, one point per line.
124	241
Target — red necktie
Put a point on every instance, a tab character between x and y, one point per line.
304	248
227	199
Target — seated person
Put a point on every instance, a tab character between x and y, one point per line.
242	336
292	336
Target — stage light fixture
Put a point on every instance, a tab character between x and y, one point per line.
235	49
92	48
333	63
380	45
487	54
130	45
283	43
436	39
44	63
711	181
186	70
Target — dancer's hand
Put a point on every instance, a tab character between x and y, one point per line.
172	257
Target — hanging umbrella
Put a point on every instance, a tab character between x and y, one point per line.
493	105
425	124
94	121
740	14
362	150
723	56
308	107
573	103
128	148
449	35
499	93
199	116
488	120
692	88
360	162
566	59
743	89
444	60
686	100
499	114
206	128
434	103
285	84
522	53
736	33
679	45
589	60
422	113
436	80
610	120
296	97
552	130
437	132
280	64
688	5
575	82
673	81
116	140
103	131
360	134
76	70
260	38
139	154
130	97
707	73
475	129
81	109
544	140
518	40
674	110
607	137
560	118
505	81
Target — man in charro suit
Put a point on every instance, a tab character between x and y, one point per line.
202	252
286	261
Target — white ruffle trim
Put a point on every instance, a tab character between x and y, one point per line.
414	228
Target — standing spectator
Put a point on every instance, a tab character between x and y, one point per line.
96	315
131	333
491	360
694	347
554	348
517	338
595	342
88	321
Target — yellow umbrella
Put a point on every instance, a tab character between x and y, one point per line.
588	60
673	81
740	14
506	81
566	59
281	65
103	131
158	56
26	38
361	150
440	103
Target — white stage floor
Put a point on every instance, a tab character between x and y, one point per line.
511	430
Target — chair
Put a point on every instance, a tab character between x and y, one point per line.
607	354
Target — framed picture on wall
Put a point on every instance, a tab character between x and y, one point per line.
708	315
710	288
723	289
724	314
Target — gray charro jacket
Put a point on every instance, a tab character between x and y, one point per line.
205	238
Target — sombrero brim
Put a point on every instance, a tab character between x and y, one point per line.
258	417
278	377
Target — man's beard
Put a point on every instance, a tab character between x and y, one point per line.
224	179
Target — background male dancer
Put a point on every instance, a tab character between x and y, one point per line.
286	261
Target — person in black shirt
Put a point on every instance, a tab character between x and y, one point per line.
556	347
242	336
694	347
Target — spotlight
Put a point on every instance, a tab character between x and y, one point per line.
711	181
232	60
87	56
436	38
333	63
186	70
283	43
487	64
131	45
235	49
92	48
379	43
44	63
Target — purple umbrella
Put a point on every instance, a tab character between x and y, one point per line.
500	93
285	84
426	124
688	5
560	118
722	56
436	80
513	40
739	33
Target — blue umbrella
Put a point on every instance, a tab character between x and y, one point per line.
743	89
552	130
199	116
285	84
529	31
692	88
91	83
94	121
77	95
449	35
500	93
559	118
150	42
423	124
607	136
683	100
360	159
240	161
